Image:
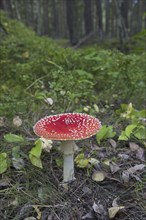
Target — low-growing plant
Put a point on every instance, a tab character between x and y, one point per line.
136	126
105	133
33	68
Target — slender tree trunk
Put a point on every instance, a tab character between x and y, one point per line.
99	18
139	17
123	35
45	29
107	11
18	14
72	21
1	5
144	10
112	20
124	12
29	12
88	18
62	26
54	19
8	8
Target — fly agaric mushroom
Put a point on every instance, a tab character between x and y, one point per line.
67	128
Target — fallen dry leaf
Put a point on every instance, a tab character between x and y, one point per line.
125	176
98	208
123	156
114	167
30	218
113	143
50	217
138	150
98	176
106	162
126	173
86	190
137	167
93	161
88	216
114	210
4	182
114	203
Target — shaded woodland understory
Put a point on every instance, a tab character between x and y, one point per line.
40	77
80	20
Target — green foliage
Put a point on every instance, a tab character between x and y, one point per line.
139	131
33	68
104	133
13	138
127	111
3	162
59	162
81	161
116	73
35	154
135	127
16	152
138	42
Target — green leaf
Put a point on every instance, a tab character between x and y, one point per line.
15	152
37	150
81	161
137	130
35	153
140	133
3	162
35	161
129	129
105	133
13	138
123	136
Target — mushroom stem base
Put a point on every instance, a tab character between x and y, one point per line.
68	148
68	168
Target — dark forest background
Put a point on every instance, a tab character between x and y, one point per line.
80	20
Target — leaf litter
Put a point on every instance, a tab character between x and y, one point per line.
103	190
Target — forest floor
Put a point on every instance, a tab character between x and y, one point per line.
37	194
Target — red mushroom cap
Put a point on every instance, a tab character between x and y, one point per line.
67	126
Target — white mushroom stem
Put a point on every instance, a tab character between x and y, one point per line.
68	148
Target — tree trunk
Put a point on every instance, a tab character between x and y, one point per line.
72	21
139	17
124	12
107	14
123	35
54	19
1	5
45	29
99	18
88	16
29	12
62	26
8	8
